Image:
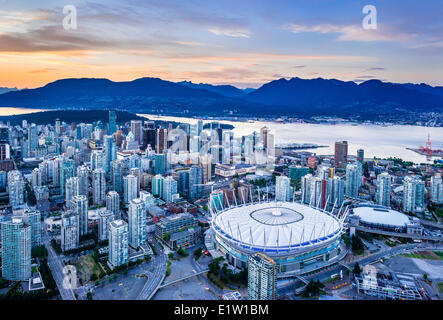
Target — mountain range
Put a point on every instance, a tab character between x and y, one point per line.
4	89
293	96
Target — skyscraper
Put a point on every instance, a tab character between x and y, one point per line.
360	155
70	231
79	206
205	162
110	151
32	218
437	189
383	193
157	185
159	163
216	201
195	181
112	122
341	153
161	142
136	129
282	188
67	171
129	188
261	277
83	176
16	188
306	188
32	138
183	182
296	172
148	138
413	194
72	190
16	250
352	183
169	188
105	217
118	243
335	190
98	186
113	203
117	176
36	177
98	159
137	223
57	126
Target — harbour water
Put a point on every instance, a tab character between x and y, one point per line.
376	140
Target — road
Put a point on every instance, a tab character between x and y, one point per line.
155	278
385	253
56	266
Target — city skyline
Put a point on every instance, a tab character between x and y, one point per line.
244	44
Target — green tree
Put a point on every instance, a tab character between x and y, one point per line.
356	269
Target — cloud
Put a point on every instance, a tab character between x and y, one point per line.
242	33
351	32
376	69
42	70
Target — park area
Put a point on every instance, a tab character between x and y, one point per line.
87	268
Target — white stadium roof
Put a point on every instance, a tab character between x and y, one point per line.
276	225
381	216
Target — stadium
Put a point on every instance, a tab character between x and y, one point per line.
294	235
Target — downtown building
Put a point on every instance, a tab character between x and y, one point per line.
98	186
341	154
16	188
383	193
157	185
72	190
16	250
79	206
352	183
113	203
118	243
437	189
105	217
169	189
137	223
70	237
413	194
83	176
32	218
261	277
130	188
283	188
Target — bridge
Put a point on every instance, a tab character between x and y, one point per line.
398	234
302	279
344	265
431	224
183	278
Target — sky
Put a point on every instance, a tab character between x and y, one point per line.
245	43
